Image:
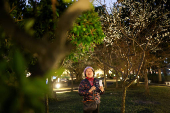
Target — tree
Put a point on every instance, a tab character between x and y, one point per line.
85	34
133	29
29	91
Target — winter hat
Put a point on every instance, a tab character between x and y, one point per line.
87	68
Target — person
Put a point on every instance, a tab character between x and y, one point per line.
88	86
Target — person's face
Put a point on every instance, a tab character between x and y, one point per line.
89	73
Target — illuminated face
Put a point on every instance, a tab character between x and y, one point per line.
89	73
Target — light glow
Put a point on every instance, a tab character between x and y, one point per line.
57	85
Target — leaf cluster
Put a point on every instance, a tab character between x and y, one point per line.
87	30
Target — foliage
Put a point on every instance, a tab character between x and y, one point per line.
20	95
148	16
134	30
28	24
87	29
86	32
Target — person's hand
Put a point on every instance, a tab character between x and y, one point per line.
101	88
92	88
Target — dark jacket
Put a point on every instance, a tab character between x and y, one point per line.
84	88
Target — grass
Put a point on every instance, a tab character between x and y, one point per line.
136	101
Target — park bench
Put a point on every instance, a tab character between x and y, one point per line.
167	83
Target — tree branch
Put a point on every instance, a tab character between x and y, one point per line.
49	54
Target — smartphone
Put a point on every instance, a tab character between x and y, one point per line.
100	83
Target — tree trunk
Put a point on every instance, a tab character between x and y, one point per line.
138	81
117	80
164	71
159	75
105	83
123	99
71	82
146	83
50	85
107	73
78	76
46	104
122	79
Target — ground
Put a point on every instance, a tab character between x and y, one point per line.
136	101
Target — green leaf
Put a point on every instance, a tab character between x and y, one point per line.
67	1
19	64
74	29
77	33
72	37
29	24
92	49
84	29
57	14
